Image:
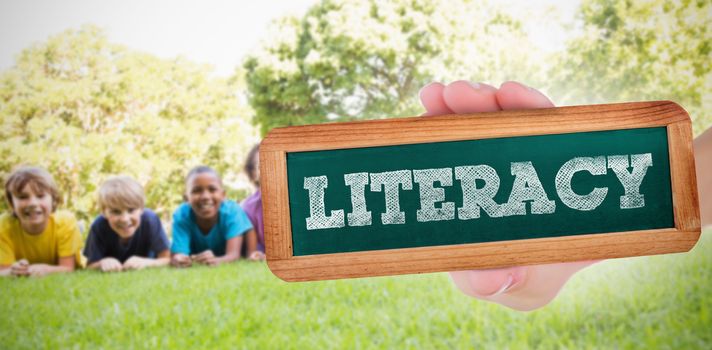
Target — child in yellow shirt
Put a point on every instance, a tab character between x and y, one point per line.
35	240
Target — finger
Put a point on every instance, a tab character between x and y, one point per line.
466	97
20	272
487	283
431	96
514	95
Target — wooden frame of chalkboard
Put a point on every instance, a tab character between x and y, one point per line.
423	130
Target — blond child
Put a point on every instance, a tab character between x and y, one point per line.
126	236
35	239
207	229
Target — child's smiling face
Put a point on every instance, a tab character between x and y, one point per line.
124	221
205	194
33	207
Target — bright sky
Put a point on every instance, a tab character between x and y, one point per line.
219	32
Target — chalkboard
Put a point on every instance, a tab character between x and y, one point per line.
478	191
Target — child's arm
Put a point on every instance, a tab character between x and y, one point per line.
65	264
232	250
10	266
138	262
180	249
232	253
5	270
180	260
107	264
252	252
95	249
18	268
703	165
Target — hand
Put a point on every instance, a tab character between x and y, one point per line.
40	270
110	265
137	263
20	268
521	287
181	260
257	256
206	258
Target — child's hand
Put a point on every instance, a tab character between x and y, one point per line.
181	260
20	268
257	256
206	258
40	270
137	263
110	265
520	287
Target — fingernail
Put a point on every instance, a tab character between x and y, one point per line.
529	88
475	86
506	286
420	92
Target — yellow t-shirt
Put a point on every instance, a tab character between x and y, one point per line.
61	238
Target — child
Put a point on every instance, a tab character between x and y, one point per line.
34	239
253	207
207	229
126	236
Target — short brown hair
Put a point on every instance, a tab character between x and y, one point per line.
121	192
38	178
251	163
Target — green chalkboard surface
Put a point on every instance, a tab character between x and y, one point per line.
651	207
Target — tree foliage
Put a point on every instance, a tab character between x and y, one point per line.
348	59
85	109
641	50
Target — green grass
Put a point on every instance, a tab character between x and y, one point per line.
649	302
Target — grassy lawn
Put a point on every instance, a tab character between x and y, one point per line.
650	302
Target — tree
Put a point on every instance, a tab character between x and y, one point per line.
348	59
641	50
84	109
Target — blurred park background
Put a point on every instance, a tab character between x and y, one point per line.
86	106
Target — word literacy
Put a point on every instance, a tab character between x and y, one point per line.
487	190
527	187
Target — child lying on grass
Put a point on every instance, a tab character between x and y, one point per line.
35	239
253	208
207	229
126	236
